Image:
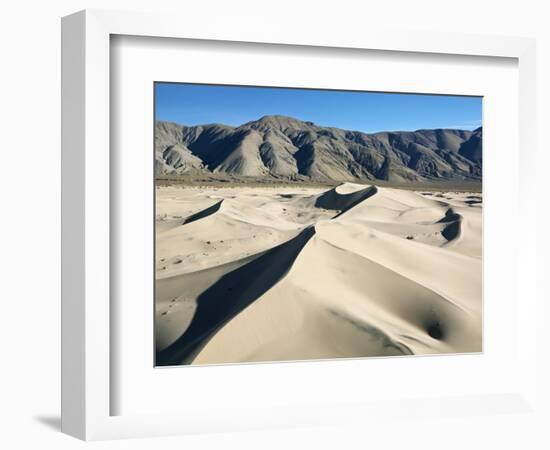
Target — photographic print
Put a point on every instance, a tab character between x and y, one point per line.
303	224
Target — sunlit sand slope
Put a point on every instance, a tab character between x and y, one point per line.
266	274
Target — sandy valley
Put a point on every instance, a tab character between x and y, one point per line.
247	274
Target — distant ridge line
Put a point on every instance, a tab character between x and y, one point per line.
288	148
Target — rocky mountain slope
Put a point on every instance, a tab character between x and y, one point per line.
286	148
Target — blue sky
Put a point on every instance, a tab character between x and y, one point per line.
193	104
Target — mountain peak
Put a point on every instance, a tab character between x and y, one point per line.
280	122
282	146
277	118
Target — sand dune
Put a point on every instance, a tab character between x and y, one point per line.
344	197
265	274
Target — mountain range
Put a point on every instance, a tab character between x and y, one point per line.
286	148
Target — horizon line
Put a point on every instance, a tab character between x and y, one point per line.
459	128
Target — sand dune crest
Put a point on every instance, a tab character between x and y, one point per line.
310	273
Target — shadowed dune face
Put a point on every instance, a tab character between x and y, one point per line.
344	197
452	229
204	213
270	274
232	293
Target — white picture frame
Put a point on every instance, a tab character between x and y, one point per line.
87	325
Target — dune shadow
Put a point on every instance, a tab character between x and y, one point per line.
453	227
204	213
333	200
232	293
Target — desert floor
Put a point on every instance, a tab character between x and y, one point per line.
247	274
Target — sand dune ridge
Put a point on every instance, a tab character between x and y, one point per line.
305	273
